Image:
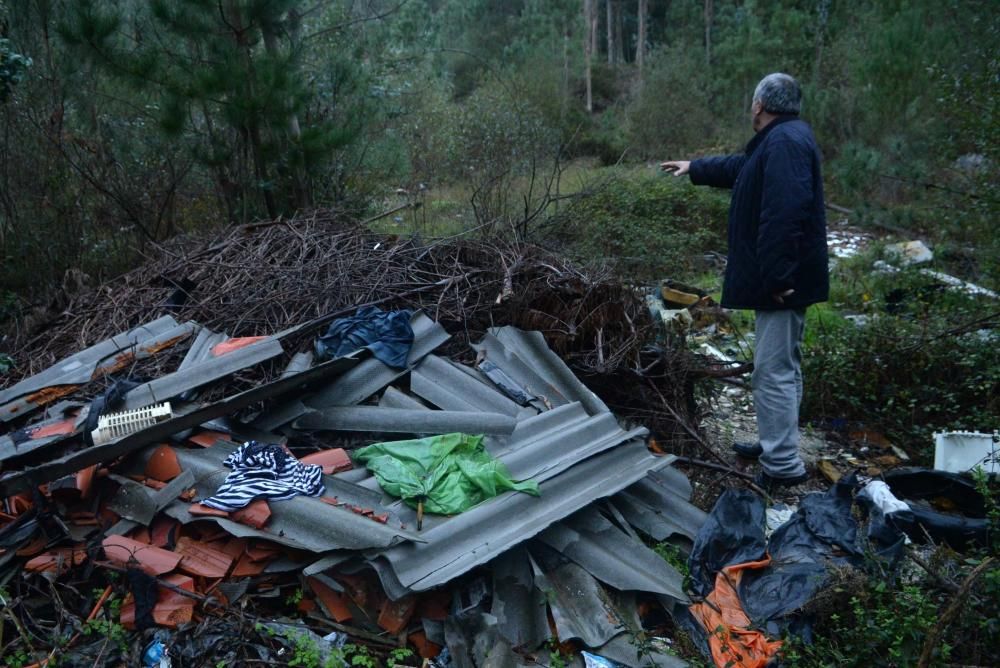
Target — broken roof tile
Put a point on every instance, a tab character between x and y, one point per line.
207	439
333	460
201	509
199	559
256	514
394	615
163	465
334	603
127	552
58	560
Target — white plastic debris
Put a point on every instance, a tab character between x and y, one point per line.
910	252
961	451
776	516
959	284
597	661
118	425
882	496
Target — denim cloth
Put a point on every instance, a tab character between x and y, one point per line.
387	335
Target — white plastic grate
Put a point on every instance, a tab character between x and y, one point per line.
116	425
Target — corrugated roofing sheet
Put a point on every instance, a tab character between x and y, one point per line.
86	365
448	387
406	421
478	535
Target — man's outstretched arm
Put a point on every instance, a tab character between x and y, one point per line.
719	171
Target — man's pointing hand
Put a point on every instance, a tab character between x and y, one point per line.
678	167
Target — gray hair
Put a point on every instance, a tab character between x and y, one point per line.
779	93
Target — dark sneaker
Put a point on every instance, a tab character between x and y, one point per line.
770	483
748	450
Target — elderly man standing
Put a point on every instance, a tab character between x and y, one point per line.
777	261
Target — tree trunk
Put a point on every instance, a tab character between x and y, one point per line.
588	49
640	46
619	40
708	32
610	7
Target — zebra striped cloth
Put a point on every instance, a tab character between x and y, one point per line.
265	471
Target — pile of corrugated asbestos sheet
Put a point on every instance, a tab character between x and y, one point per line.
494	585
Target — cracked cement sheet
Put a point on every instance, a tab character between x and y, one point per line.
138	503
81	368
460	543
658	506
525	357
448	387
580	606
302	522
11	446
519	606
185	417
404	421
201	373
612	556
371	375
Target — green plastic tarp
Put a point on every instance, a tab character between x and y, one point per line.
449	473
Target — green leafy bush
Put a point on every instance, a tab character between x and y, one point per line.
647	225
924	362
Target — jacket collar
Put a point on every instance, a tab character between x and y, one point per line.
759	137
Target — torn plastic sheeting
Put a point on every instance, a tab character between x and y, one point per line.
448	474
732	534
84	366
519	606
964	523
733	643
395	420
613	557
185	418
460	543
449	387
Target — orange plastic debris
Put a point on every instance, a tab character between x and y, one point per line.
207	439
332	460
229	345
61	428
334	603
199	559
425	648
394	615
128	552
163	464
199	509
255	515
733	643
59	560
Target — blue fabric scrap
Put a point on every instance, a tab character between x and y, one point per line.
387	335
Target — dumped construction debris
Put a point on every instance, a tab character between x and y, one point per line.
176	525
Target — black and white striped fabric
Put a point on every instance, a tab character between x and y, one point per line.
265	471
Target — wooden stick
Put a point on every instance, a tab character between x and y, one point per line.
949	615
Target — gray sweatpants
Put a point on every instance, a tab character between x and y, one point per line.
777	389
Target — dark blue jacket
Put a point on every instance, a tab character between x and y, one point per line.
777	222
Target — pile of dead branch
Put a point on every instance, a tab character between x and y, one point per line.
260	278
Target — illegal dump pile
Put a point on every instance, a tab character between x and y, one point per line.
129	502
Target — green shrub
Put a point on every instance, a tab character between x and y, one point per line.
926	361
647	225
